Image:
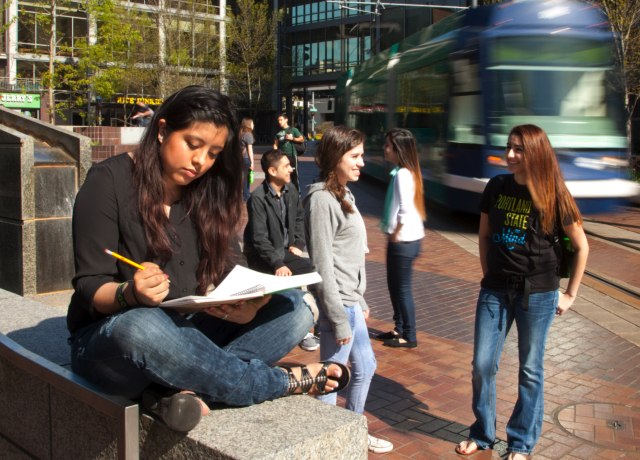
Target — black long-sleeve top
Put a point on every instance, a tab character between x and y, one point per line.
106	216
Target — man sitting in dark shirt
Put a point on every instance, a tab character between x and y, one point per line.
274	235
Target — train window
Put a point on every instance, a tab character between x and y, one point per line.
422	101
368	109
421	107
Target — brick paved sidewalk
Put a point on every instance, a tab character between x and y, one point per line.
420	399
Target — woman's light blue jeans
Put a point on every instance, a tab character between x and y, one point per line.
358	351
494	318
219	360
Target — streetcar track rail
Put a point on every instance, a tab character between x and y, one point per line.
628	290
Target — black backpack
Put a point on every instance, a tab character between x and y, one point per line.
301	147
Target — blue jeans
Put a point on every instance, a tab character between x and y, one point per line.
400	257
358	351
221	361
246	190
493	321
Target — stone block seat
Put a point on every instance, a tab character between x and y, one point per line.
50	413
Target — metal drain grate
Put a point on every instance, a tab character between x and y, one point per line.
611	426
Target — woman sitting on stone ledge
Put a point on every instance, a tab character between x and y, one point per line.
176	203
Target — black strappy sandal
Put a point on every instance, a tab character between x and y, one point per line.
306	382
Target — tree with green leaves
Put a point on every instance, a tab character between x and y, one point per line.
624	18
251	47
60	76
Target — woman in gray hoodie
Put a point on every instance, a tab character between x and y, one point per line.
337	242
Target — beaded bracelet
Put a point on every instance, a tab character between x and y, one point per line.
120	296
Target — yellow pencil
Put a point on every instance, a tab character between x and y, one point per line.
124	259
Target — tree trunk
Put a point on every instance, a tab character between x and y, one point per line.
52	53
249	85
162	43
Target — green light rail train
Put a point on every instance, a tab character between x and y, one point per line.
461	84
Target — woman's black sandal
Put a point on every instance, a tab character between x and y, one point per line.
179	411
307	382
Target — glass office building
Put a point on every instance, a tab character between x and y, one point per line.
320	40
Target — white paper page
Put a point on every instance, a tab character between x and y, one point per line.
282	283
241	279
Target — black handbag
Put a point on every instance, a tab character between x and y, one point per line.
301	147
564	251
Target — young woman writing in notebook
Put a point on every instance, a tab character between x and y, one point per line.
175	204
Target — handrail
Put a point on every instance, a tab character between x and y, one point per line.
123	410
21	84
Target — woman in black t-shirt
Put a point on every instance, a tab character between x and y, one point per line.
520	219
175	203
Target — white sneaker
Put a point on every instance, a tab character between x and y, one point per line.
310	342
379	446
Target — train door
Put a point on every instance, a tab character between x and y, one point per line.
367	113
466	134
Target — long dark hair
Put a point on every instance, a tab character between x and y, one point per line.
331	148
214	200
544	179
404	145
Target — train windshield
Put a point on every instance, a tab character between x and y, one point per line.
559	84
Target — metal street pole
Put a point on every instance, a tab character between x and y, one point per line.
313	114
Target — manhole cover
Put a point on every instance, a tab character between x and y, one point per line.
613	426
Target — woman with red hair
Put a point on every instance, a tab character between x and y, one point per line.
523	216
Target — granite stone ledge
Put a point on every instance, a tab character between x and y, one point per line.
38	328
291	428
9	451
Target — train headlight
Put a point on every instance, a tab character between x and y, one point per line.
496	161
617	162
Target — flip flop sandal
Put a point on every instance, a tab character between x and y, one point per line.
527	456
179	411
458	451
320	380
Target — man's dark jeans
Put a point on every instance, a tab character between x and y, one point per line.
293	159
400	257
246	187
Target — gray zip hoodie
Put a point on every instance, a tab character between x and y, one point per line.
336	244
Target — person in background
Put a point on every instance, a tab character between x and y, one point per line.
246	146
337	242
522	215
284	141
403	219
274	235
141	115
175	203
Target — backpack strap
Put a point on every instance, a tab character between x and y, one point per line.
497	189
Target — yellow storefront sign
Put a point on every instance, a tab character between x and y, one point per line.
135	100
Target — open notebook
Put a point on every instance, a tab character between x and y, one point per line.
241	284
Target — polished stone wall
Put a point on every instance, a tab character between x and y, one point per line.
41	168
